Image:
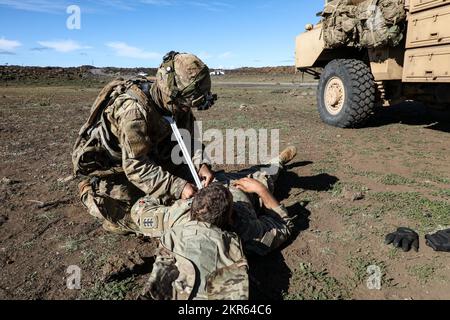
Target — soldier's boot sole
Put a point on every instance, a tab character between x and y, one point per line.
287	155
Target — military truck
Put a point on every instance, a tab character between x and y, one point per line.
356	79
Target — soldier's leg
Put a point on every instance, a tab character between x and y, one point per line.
110	199
267	174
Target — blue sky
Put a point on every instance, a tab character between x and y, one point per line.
224	33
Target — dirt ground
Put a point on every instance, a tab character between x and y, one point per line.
348	189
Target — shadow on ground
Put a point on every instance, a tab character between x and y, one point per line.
290	180
412	113
269	275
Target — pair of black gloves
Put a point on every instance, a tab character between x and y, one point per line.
408	239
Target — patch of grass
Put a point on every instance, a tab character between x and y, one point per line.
109	240
393	253
45	102
368	174
87	257
28	244
432	177
412	205
329	164
445	193
337	190
72	245
423	273
49	216
115	290
340	187
359	265
396	180
316	285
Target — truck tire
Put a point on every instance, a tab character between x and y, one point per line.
346	93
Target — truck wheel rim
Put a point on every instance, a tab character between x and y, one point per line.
334	95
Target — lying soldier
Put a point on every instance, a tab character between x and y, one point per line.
199	257
252	212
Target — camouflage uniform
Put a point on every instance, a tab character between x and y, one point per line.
199	261
260	229
140	140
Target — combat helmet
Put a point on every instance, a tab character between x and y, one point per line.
183	80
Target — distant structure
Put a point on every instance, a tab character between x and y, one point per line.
142	74
217	73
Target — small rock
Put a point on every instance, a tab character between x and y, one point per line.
243	107
353	196
6	181
3	219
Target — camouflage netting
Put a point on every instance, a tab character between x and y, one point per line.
369	24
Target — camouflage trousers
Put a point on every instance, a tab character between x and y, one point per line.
112	198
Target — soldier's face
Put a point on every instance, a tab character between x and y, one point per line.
200	102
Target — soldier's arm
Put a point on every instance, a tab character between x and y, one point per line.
154	217
139	168
266	232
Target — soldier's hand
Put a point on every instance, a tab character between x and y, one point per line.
188	192
206	175
250	185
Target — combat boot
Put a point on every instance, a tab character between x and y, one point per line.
114	228
287	155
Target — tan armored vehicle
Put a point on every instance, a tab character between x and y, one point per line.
377	52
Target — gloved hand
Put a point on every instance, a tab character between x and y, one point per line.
405	238
440	241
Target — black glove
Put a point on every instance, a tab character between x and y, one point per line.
405	238
440	241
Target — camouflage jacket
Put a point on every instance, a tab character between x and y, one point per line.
144	140
217	256
260	232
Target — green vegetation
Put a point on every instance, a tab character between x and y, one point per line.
115	290
316	285
413	205
432	177
423	273
72	245
396	180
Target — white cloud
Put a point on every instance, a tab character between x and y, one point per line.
226	55
35	5
158	2
124	50
63	45
8	45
